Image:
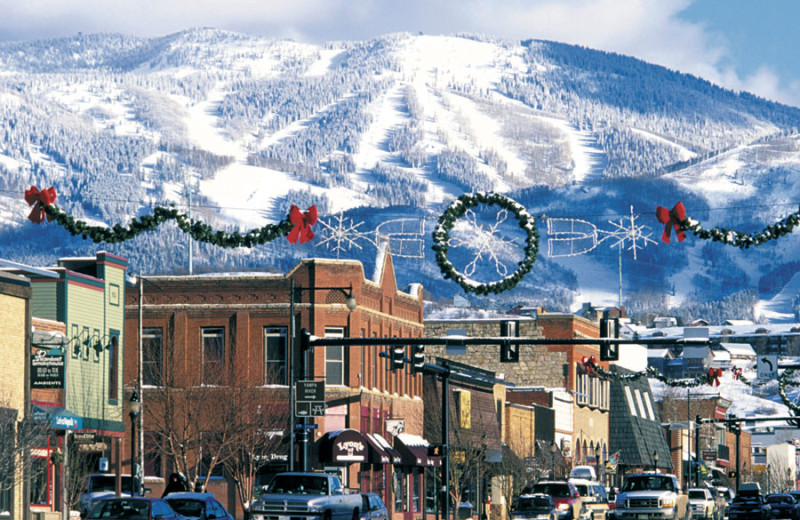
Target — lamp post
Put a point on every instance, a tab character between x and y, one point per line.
134	409
597	462
302	357
655	461
553	459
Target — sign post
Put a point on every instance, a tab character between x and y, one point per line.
310	398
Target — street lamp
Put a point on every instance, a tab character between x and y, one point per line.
597	461
553	449
294	291
655	461
134	409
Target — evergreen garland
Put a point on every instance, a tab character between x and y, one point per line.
740	239
197	230
456	210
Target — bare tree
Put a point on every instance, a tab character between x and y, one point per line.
17	436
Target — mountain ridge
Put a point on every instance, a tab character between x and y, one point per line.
251	125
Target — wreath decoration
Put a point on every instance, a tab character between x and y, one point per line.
676	218
456	210
296	227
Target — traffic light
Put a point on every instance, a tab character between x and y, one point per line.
417	359
398	355
609	328
509	352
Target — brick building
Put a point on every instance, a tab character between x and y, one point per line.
201	327
548	366
15	322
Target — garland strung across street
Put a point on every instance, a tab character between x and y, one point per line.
676	219
296	227
711	377
442	242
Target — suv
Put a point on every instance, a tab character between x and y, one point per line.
702	504
593	497
564	494
534	506
748	504
99	486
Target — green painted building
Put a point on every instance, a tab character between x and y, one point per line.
88	296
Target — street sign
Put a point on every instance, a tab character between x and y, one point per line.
309	399
767	366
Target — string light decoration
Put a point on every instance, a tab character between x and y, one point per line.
458	209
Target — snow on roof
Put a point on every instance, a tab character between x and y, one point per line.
739	349
721	355
657	352
409	439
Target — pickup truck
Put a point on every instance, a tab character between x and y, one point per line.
702	504
306	496
651	496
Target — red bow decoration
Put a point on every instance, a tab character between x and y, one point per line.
589	364
39	200
737	372
302	222
672	218
714	375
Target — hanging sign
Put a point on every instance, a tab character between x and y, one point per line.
47	370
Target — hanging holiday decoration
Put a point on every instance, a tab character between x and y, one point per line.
40	200
196	229
572	237
404	236
486	240
671	219
302	222
784	381
589	366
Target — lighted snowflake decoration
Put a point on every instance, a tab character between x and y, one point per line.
626	231
572	237
486	239
341	234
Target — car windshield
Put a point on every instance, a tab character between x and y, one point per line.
696	493
527	503
582	489
115	509
107	483
299	484
187	507
554	490
656	483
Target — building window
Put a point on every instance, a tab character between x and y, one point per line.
334	358
113	367
642	410
275	355
152	455
213	340
629	397
375	364
152	352
40	484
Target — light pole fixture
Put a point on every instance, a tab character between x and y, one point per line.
655	461
134	409
553	449
300	429
597	461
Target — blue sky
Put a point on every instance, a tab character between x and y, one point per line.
739	44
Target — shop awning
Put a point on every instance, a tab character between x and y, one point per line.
393	453
413	451
348	445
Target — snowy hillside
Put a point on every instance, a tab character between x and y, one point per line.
388	132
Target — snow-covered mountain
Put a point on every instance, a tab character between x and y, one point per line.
383	135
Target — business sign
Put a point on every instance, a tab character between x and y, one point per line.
309	399
84	438
47	370
65	420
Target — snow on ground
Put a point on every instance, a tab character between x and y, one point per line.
596	283
9	163
202	126
327	60
586	153
778	309
389	114
685	153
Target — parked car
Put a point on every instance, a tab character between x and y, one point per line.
783	505
98	486
136	508
593	498
197	506
702	504
564	494
534	507
584	472
749	504
373	508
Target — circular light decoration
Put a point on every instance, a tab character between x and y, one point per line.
458	209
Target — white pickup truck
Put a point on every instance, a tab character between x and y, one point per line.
651	496
306	496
